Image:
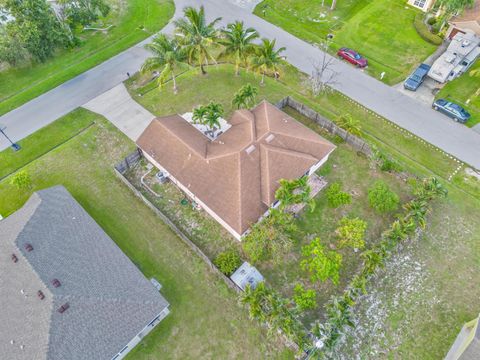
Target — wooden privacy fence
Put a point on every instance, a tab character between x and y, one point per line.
354	141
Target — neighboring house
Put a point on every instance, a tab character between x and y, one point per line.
462	52
423	5
469	20
234	177
66	290
245	275
467	343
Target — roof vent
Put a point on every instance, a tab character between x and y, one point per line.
14	258
56	283
40	294
28	247
465	43
269	138
63	308
250	149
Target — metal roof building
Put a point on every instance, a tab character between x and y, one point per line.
66	290
245	275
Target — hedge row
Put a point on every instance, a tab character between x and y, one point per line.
424	32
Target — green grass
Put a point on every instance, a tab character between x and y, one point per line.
19	85
449	247
206	321
381	30
462	89
44	140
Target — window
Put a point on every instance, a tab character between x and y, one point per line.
419	3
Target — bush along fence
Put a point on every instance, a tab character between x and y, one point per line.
130	161
354	141
339	310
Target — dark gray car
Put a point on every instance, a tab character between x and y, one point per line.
455	111
414	81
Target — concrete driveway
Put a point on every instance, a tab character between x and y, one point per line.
122	111
424	94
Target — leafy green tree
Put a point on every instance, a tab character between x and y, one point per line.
238	43
199	114
271	238
21	180
245	98
267	58
197	36
305	299
35	26
336	197
83	12
381	198
169	55
320	263
228	261
348	123
351	232
12	49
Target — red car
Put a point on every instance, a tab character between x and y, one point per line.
352	57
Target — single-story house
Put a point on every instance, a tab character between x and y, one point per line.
467	343
469	20
461	54
235	175
423	5
66	290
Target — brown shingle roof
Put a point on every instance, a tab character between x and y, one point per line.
236	175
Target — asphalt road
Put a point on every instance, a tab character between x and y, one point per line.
403	110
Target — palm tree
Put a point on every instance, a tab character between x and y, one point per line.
267	58
347	122
199	114
197	35
238	43
417	210
245	97
169	55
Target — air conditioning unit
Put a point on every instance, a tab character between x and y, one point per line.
161	177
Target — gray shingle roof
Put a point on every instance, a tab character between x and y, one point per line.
110	299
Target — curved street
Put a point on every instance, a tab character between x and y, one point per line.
406	112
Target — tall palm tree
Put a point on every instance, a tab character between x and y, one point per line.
197	36
267	58
169	54
238	43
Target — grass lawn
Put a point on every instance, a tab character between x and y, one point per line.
19	85
381	30
462	89
206	321
44	140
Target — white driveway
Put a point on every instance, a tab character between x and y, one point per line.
122	111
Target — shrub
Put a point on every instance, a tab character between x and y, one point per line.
351	232
21	180
336	197
271	238
423	31
431	20
305	299
381	198
228	261
348	123
322	264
